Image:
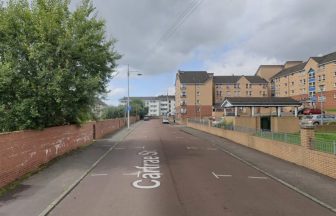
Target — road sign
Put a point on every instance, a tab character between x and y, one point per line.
321	99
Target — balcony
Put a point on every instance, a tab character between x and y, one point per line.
183	95
183	103
183	88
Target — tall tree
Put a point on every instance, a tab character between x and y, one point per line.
53	63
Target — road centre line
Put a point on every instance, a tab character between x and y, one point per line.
102	174
257	177
220	175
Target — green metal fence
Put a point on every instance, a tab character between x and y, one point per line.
324	145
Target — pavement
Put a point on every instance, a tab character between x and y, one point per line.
158	169
36	193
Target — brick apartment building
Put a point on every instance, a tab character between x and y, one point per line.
197	92
193	94
305	80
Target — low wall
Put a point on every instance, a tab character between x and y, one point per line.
22	152
285	124
318	161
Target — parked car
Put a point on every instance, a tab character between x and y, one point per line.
314	120
165	120
309	111
146	118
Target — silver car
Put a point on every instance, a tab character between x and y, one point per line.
314	120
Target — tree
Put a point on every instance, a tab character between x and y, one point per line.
53	63
114	112
138	108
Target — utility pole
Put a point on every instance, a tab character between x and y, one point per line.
128	98
321	100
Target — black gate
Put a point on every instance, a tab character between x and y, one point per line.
265	123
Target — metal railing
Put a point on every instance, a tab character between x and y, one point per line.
282	137
324	145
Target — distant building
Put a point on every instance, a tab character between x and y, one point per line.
157	106
99	107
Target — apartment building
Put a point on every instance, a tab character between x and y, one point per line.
157	106
198	92
193	94
311	82
239	86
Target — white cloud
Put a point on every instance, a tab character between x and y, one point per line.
254	32
238	62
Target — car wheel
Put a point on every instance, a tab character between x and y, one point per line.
316	123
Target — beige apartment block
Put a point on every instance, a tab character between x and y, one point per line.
309	82
239	86
268	71
193	93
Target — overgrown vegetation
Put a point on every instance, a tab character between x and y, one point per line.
53	63
137	109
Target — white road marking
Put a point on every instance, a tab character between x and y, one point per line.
191	148
220	175
138	147
120	148
102	174
107	145
133	173
257	177
212	149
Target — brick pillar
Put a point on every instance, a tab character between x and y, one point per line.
307	135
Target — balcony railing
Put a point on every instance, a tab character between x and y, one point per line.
183	95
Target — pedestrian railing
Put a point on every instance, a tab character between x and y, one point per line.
282	137
324	145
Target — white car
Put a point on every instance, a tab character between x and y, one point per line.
165	120
314	120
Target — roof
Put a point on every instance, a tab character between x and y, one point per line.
259	101
290	70
164	97
326	58
140	98
255	79
234	79
193	76
226	79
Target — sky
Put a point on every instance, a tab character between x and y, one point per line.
159	37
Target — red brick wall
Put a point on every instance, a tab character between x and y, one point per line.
206	111
330	100
24	151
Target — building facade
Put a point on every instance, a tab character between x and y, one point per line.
193	94
239	86
157	106
310	82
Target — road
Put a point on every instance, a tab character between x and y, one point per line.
159	170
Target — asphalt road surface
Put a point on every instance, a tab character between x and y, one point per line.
159	170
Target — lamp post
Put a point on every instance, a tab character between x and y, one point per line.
321	100
128	97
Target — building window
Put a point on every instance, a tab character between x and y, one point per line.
319	78
228	93
198	101
285	92
304	81
198	93
335	96
292	92
323	77
285	84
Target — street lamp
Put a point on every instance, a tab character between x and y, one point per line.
128	97
321	100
